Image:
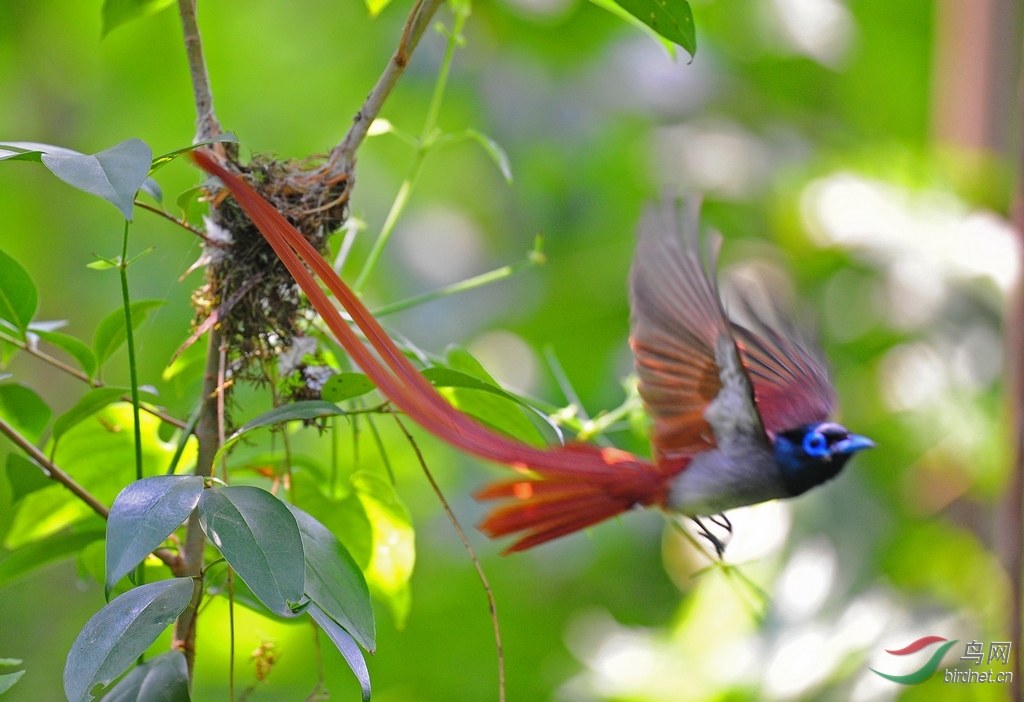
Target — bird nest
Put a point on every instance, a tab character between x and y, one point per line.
259	308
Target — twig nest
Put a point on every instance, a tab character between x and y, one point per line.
259	306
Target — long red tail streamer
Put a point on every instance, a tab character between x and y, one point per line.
565	488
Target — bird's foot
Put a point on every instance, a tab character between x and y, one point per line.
719	520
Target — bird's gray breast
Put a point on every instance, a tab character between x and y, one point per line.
717	480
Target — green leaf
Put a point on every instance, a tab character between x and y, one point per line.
114	174
57	547
187	197
163	160
120	632
495	151
347	646
671	19
118	12
441	377
110	333
333	580
23	409
469	387
10	662
376	6
13	153
153	189
143	515
72	345
89	404
25	477
617	10
345	386
7	681
344	516
19	298
161	679
304	409
100	454
394	548
259	538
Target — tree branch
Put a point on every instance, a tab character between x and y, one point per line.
57	363
1013	555
343	155
180	222
195	541
54	473
207	125
51	470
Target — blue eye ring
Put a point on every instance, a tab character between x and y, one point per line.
815	444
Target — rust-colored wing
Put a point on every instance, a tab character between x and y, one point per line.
677	320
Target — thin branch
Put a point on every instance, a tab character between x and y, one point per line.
343	155
180	222
70	370
51	470
207	125
472	555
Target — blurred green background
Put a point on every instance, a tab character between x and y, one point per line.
860	147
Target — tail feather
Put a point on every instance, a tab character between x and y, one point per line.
546	506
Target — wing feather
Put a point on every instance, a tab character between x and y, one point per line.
775	381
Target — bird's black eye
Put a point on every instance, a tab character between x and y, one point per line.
815	444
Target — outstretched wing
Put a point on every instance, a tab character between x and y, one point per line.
691	378
790	379
685	348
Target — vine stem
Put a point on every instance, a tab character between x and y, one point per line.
491	604
423	146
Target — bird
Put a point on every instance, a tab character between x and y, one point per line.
740	413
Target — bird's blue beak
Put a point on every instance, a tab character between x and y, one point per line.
853	444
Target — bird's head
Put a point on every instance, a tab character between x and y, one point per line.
813	453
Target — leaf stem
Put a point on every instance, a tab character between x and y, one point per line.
426	142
